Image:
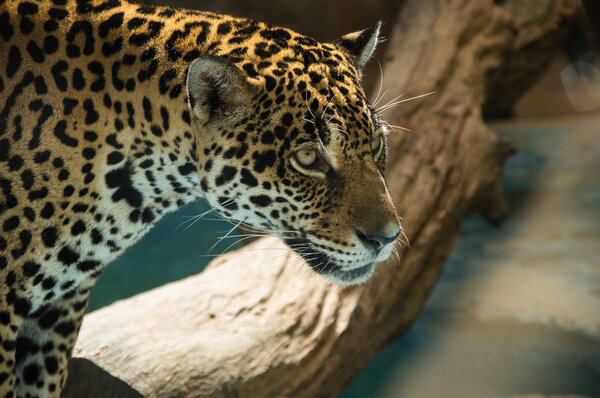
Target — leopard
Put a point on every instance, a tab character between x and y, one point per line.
113	114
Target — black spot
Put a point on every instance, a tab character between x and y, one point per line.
50	44
10	224
146	163
41	157
121	180
87	265
129	59
187	168
185	116
146	10
57	70
31	373
37	130
250	70
59	132
49	236
68	105
155	130
248	178
30	268
267	137
40	85
114	157
165	117
168	75
117	82
48	319
35	52
261	200
14	61
11	278
90	136
78	80
96	236
58	13
51	365
65	328
269	83
78	228
27	8
281	36
67	256
262	160
115	21
111	140
47	211
87	29
135	22
79	208
147	215
22	307
227	174
109	48
88	153
15	163
50	25
91	115
29	213
63	175
224	28
4	149
147	109
287	119
97	69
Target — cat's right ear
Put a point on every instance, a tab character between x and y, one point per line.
217	91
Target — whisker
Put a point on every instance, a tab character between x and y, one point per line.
377	98
335	127
392	100
218	241
396	103
306	100
325	110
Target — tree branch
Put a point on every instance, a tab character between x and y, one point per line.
257	323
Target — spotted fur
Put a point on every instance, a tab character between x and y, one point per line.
113	114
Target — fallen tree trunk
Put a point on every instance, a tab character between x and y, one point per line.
257	323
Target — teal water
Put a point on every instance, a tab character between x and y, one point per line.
169	252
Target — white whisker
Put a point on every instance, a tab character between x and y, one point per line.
395	103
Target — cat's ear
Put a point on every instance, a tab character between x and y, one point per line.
361	44
217	90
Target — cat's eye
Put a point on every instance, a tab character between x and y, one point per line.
306	157
377	145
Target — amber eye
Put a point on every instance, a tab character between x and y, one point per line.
306	157
377	145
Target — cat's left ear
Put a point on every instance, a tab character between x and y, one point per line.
360	45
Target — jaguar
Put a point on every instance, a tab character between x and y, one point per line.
113	114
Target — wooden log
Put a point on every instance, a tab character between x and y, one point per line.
257	322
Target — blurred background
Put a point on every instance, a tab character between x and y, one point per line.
516	311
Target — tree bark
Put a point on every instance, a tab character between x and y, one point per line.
257	322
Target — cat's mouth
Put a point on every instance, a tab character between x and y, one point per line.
326	265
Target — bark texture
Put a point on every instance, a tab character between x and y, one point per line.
257	323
